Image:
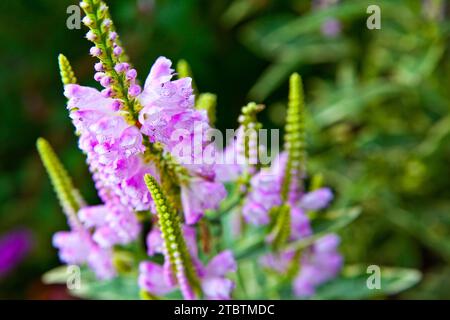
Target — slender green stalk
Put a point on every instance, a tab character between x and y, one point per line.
68	196
174	243
282	227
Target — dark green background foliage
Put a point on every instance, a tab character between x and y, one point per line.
378	108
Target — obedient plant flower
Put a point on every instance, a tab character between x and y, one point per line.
319	263
145	147
331	27
277	197
14	247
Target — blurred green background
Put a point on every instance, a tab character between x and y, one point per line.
378	105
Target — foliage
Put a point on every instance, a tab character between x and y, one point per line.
378	117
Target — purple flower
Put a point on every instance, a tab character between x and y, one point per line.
169	117
113	223
331	28
317	199
14	246
169	107
300	225
214	284
200	195
232	160
150	279
278	262
159	280
100	261
265	194
113	147
73	246
77	247
319	264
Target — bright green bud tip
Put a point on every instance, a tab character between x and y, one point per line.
66	71
183	69
123	261
208	102
144	295
294	138
68	196
295	87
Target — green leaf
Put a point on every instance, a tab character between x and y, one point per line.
119	288
294	55
348	103
352	284
57	275
305	24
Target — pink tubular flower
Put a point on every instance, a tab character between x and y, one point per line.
265	194
321	263
112	146
199	196
77	247
14	246
213	279
113	222
169	117
114	151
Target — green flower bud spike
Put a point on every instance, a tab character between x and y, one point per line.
316	182
207	101
66	71
175	249
294	138
68	196
295	167
281	229
250	124
184	71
